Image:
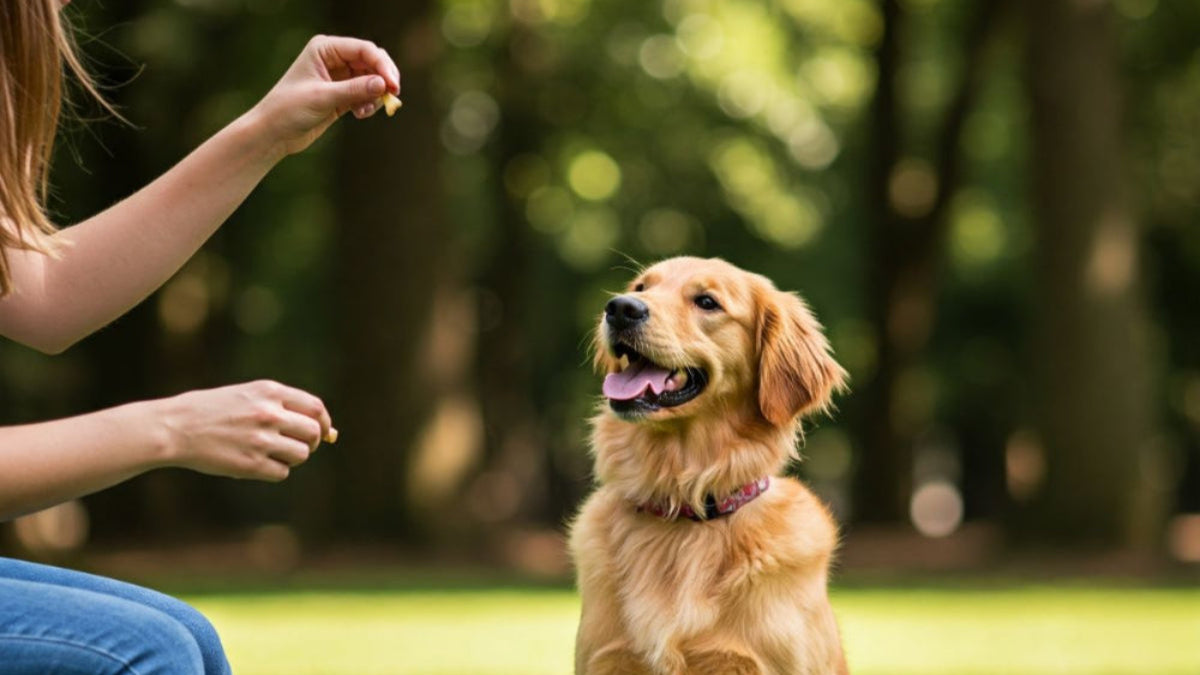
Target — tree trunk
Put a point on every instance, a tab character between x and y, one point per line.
391	251
515	417
1092	370
883	479
904	258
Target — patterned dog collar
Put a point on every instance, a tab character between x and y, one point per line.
713	508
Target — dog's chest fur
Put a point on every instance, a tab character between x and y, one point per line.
752	582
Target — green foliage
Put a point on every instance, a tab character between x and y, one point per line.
583	138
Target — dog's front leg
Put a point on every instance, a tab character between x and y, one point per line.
615	659
602	644
601	647
721	654
723	663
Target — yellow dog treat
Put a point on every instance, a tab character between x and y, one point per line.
390	104
331	436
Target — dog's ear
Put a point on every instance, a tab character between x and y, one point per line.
796	371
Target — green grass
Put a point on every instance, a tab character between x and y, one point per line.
1027	630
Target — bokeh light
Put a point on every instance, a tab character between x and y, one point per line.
594	175
54	531
936	509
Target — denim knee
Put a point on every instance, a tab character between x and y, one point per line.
202	632
53	578
53	630
162	646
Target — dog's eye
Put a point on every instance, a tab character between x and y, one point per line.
639	288
706	302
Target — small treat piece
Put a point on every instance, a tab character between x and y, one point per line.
390	104
332	436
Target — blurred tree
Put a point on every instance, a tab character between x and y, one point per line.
1162	77
1092	371
910	195
449	334
392	263
515	437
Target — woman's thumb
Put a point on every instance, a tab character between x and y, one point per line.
351	93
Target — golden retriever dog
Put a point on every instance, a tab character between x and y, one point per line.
694	555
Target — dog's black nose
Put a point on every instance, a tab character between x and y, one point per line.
625	312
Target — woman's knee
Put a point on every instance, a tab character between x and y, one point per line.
161	645
201	631
40	582
50	629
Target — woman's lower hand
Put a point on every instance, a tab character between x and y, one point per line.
257	430
333	75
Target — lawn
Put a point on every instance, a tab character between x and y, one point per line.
1026	630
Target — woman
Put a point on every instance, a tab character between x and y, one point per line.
57	287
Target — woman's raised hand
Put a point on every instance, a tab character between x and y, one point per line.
333	75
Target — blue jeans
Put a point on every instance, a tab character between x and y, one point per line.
59	622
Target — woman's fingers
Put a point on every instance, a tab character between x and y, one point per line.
335	51
287	451
332	76
395	71
300	427
366	110
300	401
268	469
355	93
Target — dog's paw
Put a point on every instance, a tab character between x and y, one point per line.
616	661
722	663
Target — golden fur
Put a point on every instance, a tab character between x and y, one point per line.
745	593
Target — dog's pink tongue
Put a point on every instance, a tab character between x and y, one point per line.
632	382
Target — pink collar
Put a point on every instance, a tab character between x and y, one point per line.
712	507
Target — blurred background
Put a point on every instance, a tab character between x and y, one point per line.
990	205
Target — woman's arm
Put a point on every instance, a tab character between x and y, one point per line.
114	260
256	430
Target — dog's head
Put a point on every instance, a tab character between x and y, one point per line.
695	337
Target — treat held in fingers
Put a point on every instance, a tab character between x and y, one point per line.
389	103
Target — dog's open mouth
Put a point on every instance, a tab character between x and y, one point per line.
642	386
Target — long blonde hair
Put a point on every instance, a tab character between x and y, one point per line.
37	50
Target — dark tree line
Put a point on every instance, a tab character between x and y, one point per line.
434	275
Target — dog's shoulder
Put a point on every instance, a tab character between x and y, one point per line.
792	526
591	527
786	537
597	509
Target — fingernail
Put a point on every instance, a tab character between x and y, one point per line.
376	85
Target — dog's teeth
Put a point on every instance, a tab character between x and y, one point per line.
676	380
623	362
